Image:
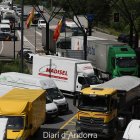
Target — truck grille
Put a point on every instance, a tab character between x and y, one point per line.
127	72
91	120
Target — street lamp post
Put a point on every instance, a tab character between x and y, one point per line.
14	40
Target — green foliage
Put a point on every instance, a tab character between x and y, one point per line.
12	66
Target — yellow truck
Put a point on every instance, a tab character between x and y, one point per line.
25	110
108	107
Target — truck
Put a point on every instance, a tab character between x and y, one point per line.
132	131
69	74
106	108
58	103
111	58
3	128
25	110
72	47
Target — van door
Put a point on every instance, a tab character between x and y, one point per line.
80	82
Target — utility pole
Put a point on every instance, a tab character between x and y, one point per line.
22	29
47	38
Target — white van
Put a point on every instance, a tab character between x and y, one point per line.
5	28
132	131
41	23
5	21
36	82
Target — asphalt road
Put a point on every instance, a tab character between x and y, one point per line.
65	123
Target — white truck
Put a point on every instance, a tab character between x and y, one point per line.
78	41
75	46
20	80
132	132
3	128
70	75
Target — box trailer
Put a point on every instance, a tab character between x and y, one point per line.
112	58
25	110
69	74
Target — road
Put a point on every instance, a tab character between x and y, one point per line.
64	125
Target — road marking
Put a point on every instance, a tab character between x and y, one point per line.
39	33
65	124
25	39
2	47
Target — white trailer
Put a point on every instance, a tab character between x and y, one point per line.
70	75
77	41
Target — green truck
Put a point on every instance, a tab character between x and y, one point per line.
111	58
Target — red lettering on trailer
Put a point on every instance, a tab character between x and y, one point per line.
61	72
53	76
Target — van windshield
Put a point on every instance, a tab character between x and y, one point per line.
5	29
43	21
15	122
54	93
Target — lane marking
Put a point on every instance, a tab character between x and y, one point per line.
25	39
39	33
2	47
66	123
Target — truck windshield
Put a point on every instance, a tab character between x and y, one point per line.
92	80
54	93
14	122
126	62
93	103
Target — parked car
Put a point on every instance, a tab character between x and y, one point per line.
7	37
27	54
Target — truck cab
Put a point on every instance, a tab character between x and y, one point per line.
122	61
108	107
86	80
97	110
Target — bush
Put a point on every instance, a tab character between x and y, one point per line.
12	66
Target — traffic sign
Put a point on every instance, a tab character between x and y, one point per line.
90	17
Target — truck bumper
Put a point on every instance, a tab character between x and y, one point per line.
63	108
102	130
